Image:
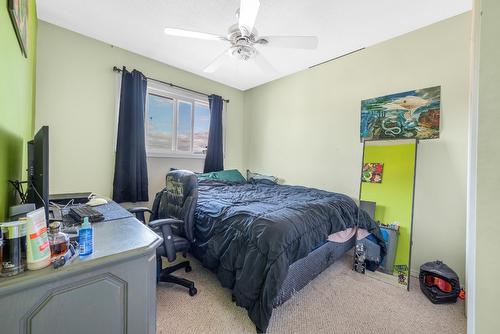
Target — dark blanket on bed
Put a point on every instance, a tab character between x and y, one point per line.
250	233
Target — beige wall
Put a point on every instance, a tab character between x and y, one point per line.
487	297
76	90
305	128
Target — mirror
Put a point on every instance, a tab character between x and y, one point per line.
387	195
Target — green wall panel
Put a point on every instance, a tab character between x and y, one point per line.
17	96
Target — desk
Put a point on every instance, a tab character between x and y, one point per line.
111	291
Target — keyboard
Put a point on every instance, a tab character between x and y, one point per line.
79	212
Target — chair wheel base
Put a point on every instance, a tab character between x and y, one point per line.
193	291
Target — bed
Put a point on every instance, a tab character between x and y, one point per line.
265	241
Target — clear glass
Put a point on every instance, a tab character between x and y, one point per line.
13	248
184	127
59	242
160	122
201	127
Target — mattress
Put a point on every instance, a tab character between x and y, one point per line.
250	235
303	271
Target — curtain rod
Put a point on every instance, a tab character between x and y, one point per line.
117	69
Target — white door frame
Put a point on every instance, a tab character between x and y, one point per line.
470	248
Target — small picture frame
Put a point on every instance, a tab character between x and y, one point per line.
18	10
372	172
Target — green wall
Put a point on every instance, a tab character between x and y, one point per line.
17	96
394	196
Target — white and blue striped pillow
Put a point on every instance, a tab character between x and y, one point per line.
251	176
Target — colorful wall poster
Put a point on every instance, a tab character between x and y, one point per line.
412	114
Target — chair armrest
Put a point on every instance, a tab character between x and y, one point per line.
139	209
168	237
139	213
161	222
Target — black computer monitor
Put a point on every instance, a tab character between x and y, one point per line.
38	170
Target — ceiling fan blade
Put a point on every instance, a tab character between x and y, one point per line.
248	14
264	64
295	42
193	34
217	62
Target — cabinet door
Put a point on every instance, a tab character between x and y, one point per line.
94	305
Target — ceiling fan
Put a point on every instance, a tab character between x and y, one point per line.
243	38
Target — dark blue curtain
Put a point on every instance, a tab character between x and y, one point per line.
130	183
214	160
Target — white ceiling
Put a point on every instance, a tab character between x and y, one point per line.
341	25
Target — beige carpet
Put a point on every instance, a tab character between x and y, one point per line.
337	301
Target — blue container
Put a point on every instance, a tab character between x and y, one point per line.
86	238
391	240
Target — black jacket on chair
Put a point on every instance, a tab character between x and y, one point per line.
172	216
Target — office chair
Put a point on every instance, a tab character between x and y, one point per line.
172	217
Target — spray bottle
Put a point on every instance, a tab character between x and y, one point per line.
86	238
37	241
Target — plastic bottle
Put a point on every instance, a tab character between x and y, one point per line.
37	240
86	238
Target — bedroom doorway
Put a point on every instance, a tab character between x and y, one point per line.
387	188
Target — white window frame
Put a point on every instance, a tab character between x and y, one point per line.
178	96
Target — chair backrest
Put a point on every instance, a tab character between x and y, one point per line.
178	200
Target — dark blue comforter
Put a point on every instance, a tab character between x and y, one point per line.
250	233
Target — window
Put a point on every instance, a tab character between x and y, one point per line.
160	115
177	122
200	128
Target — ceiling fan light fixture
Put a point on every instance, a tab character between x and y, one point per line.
243	52
243	38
